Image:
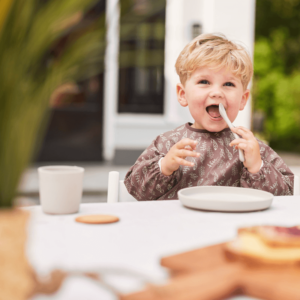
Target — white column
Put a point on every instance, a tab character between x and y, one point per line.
236	19
175	40
208	15
173	37
111	78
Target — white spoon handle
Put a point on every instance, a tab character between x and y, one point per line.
230	125
241	152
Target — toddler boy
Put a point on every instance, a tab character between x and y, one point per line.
212	70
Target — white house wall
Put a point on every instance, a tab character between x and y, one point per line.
235	18
111	79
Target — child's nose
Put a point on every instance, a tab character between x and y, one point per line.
216	93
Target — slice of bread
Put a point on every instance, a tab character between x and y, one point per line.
256	245
280	236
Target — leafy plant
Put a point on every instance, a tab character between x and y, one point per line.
276	88
30	71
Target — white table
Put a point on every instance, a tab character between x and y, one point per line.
146	232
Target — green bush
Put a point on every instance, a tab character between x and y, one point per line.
276	84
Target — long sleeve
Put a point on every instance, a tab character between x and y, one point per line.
144	180
274	177
218	164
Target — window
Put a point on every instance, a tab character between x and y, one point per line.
141	58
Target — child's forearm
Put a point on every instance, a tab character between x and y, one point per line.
278	185
145	181
164	168
151	188
274	176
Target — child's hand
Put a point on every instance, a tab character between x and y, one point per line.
249	144
177	154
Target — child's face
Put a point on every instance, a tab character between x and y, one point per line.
205	90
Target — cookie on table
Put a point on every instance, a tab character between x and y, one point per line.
97	219
266	244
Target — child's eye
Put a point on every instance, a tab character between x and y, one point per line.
204	81
229	84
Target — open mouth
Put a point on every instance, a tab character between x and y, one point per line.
213	111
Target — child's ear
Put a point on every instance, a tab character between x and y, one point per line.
181	97
245	98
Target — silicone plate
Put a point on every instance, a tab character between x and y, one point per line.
224	198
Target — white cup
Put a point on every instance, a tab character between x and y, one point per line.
60	189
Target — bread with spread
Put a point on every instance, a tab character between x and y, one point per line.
266	244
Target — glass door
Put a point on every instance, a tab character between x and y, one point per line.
141	56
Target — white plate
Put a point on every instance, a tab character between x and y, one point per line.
224	198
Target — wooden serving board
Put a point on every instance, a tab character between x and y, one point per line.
207	274
202	259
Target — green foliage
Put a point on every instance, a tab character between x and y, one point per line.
278	22
29	73
276	88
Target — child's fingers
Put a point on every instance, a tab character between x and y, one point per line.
188	147
242	146
183	162
243	132
244	128
185	153
246	145
237	141
186	142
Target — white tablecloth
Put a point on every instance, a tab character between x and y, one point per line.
146	232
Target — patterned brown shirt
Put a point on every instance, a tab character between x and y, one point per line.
218	164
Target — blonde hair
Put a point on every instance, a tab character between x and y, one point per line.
217	52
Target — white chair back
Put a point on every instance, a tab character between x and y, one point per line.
296	185
116	191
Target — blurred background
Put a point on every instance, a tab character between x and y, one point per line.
106	119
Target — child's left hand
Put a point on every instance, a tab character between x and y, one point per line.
249	144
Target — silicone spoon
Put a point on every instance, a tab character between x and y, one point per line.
230	125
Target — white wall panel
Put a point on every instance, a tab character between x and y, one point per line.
111	79
235	18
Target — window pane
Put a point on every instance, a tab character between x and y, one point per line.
141	58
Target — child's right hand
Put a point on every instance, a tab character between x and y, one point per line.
177	154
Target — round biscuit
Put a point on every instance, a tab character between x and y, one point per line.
97	219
